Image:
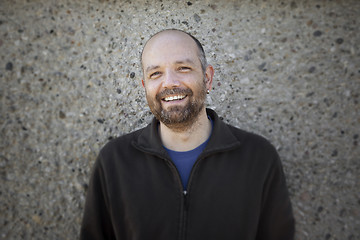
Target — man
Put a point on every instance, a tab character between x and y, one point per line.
187	175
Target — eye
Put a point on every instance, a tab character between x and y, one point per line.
155	74
184	69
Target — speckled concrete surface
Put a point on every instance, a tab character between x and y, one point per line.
70	80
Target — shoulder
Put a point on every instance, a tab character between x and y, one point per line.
120	144
255	143
258	152
229	135
249	137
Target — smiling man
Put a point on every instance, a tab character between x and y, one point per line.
176	82
187	175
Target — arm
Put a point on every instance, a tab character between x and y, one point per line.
96	222
276	220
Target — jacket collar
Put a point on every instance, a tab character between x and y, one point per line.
221	138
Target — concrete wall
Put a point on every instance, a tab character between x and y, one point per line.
70	81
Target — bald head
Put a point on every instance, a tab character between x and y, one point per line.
173	37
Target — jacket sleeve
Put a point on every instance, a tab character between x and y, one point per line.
276	219
96	223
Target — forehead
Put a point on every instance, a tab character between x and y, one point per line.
169	47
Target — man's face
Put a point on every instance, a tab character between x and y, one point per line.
173	79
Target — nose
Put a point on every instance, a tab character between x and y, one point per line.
170	80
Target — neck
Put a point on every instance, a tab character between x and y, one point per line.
189	138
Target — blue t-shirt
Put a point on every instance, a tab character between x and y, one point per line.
184	161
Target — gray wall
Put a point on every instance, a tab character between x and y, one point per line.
71	80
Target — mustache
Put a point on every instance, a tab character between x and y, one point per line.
174	91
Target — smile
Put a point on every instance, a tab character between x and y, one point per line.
173	98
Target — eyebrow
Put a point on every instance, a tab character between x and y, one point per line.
152	67
187	60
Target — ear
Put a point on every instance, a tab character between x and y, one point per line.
143	83
209	74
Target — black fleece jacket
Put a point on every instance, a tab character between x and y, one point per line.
236	190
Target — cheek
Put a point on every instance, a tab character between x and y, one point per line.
150	92
152	86
149	89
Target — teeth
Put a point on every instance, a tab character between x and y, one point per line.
171	98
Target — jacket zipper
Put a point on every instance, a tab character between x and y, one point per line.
183	204
185	213
184	194
184	201
185	197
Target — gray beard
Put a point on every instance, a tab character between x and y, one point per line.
179	118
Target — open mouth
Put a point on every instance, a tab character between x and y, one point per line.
174	98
